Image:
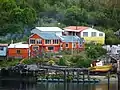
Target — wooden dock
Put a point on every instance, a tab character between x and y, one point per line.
26	73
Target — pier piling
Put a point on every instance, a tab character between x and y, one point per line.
118	80
108	80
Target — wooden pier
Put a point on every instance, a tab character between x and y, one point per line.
40	73
78	75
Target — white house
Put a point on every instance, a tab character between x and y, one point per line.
56	30
88	33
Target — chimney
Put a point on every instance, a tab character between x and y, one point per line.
92	26
76	27
11	41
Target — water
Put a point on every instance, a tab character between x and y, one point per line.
12	85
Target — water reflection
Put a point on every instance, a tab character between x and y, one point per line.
12	85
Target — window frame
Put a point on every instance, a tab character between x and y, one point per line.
93	34
67	45
18	51
1	48
34	49
32	39
100	35
48	41
85	35
38	40
55	41
73	45
50	49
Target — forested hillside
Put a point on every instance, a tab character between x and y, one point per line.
18	15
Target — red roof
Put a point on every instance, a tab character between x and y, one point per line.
3	44
75	28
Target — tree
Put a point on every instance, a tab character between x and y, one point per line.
14	18
16	15
7	5
111	38
29	16
95	51
75	15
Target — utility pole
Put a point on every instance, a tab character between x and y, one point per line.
72	43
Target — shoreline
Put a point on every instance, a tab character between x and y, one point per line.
104	79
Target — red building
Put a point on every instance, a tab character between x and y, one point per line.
18	50
72	42
43	42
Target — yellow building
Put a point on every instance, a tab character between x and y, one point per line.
89	34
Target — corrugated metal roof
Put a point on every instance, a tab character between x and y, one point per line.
18	45
48	35
70	38
49	29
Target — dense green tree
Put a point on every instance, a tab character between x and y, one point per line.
94	51
14	17
75	15
80	61
111	38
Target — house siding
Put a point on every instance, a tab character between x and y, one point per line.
95	39
100	40
43	47
24	53
56	48
70	46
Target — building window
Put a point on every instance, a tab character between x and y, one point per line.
51	48
47	41
74	45
1	48
39	41
32	41
66	45
85	34
18	51
35	48
55	42
93	34
100	34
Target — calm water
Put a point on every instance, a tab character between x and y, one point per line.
53	86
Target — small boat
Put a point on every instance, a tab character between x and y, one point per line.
99	66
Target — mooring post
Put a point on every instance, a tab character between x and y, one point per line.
88	75
83	77
73	74
68	73
78	76
47	75
64	75
108	80
88	72
118	74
